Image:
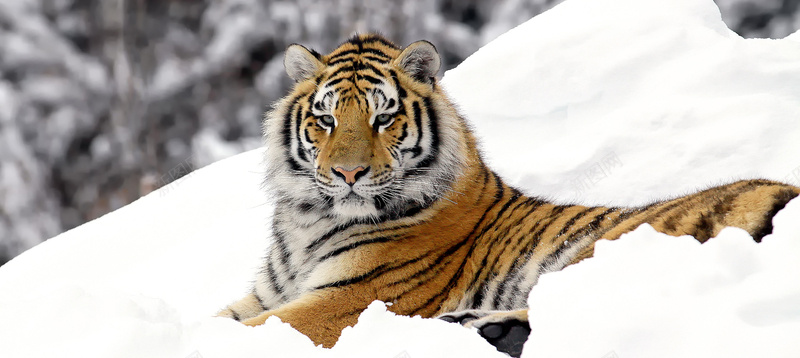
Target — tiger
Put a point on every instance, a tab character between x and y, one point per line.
381	193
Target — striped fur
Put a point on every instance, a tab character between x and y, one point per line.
425	224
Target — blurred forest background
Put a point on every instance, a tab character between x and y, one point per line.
103	101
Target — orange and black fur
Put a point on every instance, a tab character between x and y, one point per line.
382	194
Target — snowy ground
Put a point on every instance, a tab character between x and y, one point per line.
597	101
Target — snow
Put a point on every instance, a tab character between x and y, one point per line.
729	297
596	101
680	85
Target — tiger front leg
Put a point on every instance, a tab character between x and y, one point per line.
321	315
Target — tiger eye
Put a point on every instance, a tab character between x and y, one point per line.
383	119
326	120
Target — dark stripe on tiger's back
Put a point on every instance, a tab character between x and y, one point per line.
523	248
552	217
592	225
430	271
535	204
439	260
658	210
575	236
536	232
453	248
703	225
531	204
499	194
515	195
568	225
653	212
670	223
497	237
439	263
705	222
485	268
631	218
383	269
506	227
527	251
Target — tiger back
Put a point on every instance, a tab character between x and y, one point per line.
381	194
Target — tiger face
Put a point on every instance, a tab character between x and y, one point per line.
358	147
360	136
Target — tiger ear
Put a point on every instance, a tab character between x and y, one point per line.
420	60
300	63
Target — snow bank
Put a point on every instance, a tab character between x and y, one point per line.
598	101
653	295
622	101
145	281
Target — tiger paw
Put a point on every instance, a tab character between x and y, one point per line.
506	330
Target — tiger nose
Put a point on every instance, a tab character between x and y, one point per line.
350	176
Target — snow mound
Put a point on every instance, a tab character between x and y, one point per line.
597	101
649	294
656	94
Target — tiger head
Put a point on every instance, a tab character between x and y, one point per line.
366	132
